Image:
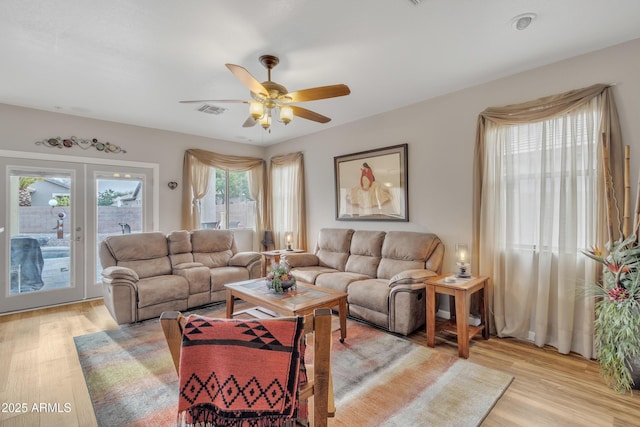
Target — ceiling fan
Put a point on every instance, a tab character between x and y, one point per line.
271	98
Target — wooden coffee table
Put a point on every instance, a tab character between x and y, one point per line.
294	302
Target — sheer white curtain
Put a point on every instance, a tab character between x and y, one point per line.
287	199
538	201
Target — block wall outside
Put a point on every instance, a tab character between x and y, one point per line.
43	219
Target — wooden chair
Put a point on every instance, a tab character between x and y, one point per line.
320	384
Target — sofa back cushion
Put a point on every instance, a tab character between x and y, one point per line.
333	246
406	250
213	248
366	251
145	253
180	247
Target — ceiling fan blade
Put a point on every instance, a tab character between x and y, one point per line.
309	115
248	80
321	92
250	122
214	100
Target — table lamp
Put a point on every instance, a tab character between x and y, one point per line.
462	261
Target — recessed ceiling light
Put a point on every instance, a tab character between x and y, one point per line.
522	22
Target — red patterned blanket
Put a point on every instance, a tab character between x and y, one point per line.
238	372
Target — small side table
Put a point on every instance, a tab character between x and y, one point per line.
274	256
461	289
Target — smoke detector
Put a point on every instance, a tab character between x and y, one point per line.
522	22
212	109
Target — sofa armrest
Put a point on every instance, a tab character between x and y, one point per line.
120	294
244	259
303	259
410	277
115	273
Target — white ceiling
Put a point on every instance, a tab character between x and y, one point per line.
131	61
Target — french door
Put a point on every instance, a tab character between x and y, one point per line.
56	213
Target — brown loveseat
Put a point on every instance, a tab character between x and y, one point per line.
147	273
383	273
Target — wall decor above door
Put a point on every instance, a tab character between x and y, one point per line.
85	144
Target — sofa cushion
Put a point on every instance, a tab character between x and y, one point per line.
367	243
141	246
405	250
333	246
213	241
198	276
213	248
222	275
160	289
309	274
371	293
339	280
144	253
366	251
180	247
149	267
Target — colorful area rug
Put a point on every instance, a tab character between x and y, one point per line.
379	379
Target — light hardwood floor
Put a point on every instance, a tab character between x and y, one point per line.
39	366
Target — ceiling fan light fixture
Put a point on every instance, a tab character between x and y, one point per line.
265	121
271	100
286	114
256	109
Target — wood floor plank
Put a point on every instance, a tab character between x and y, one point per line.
39	364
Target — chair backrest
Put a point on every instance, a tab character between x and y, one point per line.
320	384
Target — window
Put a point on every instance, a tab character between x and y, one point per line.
544	164
228	203
539	200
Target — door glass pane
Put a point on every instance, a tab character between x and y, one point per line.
119	208
41	224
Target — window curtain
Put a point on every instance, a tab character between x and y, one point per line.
196	173
287	202
539	288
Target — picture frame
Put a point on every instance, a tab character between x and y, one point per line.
372	185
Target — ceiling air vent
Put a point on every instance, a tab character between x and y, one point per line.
212	109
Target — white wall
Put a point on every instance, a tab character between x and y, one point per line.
441	135
20	128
